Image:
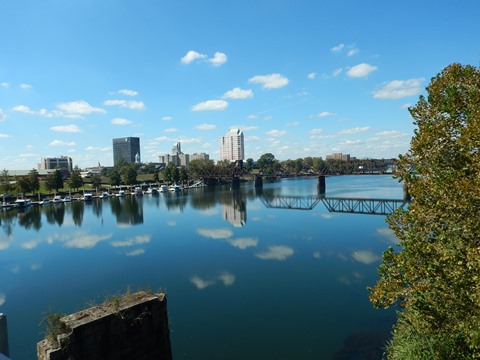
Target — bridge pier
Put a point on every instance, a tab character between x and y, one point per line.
235	182
321	184
3	335
258	181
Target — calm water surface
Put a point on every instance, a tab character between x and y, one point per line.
243	280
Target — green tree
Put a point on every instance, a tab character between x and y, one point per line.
6	181
96	181
183	174
129	174
171	173
33	180
23	185
201	168
249	164
114	177
435	272
54	180
76	180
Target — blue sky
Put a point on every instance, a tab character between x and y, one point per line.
300	78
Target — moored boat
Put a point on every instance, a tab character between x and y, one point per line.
22	202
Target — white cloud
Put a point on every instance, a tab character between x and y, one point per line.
133	105
25	86
66	128
337	72
324	114
397	89
128	92
312	75
388	234
79	107
4	84
360	70
365	257
243	243
218	59
2	115
120	121
215	233
167	118
338	48
62	143
227	278
171	130
96	148
352	52
276	132
276	252
136	252
355	130
210	105
23	109
192	56
273	81
201	283
238	93
206	127
83	240
315	131
137	240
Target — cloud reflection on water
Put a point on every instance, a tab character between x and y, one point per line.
276	252
215	233
365	256
226	278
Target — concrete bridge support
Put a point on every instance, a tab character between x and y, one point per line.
3	335
258	181
321	184
235	182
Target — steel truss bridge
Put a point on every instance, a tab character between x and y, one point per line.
335	204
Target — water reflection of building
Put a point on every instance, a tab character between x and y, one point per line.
234	209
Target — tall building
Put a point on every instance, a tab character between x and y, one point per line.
232	146
339	156
62	162
127	148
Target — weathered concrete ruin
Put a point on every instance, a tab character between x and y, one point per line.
133	326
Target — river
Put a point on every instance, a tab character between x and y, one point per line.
245	278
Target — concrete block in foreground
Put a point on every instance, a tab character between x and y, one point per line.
134	326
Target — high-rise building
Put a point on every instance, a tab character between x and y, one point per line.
231	145
127	148
62	162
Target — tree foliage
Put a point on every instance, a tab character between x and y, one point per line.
54	180
435	273
76	180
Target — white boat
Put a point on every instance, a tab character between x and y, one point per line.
105	195
175	188
67	199
121	193
57	199
163	188
152	190
138	191
22	202
87	197
45	202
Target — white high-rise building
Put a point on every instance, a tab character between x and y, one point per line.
231	145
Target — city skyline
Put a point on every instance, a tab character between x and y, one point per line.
299	79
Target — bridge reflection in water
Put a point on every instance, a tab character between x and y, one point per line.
335	204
